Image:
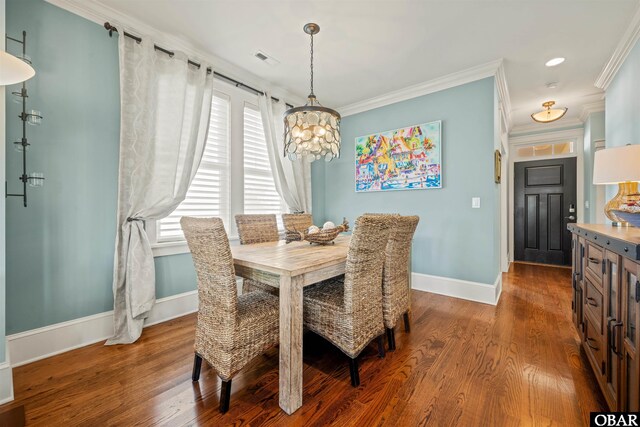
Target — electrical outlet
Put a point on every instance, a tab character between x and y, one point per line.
475	202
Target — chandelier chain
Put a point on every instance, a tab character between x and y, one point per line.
311	64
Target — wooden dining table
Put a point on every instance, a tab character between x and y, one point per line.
290	267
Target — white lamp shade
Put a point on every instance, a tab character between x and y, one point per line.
616	165
13	70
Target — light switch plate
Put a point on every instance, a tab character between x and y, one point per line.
475	202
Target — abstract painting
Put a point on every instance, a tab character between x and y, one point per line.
402	159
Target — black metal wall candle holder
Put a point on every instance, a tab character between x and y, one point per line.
34	179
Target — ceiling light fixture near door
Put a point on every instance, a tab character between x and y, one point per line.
311	131
549	114
553	62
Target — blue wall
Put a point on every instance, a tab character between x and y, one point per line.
623	103
623	106
60	248
452	240
593	131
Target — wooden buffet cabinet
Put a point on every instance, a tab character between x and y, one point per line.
606	307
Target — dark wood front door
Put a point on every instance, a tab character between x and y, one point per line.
545	201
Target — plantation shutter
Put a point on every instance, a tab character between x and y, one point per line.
208	194
260	194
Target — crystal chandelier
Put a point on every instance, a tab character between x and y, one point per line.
311	131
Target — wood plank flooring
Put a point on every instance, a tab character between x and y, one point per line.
463	363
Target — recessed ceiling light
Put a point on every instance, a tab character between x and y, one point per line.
553	62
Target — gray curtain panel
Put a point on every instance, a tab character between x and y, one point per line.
165	108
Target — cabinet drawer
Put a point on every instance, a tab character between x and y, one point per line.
593	346
593	304
593	256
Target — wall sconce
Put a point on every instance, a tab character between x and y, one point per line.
31	117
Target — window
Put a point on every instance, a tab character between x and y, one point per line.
209	191
236	148
540	150
260	194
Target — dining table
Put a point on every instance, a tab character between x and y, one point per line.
291	267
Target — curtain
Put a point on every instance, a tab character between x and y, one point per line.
292	178
165	107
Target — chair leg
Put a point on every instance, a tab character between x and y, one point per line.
391	338
225	396
355	375
381	346
197	364
407	327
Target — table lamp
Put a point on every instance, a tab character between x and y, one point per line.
620	165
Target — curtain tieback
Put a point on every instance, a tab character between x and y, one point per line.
130	219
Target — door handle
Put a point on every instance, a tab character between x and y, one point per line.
614	339
570	217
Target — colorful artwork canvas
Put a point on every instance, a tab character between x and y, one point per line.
401	159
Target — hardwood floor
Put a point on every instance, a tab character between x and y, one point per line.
463	363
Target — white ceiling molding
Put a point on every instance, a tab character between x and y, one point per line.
557	136
451	80
544	127
628	41
503	96
99	13
593	107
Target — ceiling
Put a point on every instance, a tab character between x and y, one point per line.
368	48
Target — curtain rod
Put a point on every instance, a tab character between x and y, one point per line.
221	76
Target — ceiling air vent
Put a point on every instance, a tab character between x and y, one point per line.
266	58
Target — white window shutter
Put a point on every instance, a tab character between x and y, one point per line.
260	194
208	195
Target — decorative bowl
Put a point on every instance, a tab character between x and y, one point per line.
632	218
321	237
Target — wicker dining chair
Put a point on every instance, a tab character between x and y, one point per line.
231	330
297	221
347	311
396	297
257	228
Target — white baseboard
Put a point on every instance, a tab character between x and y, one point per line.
6	383
29	346
473	291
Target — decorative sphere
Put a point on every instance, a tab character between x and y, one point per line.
313	229
328	225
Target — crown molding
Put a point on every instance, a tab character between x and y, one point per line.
561	135
541	127
503	96
590	108
628	41
99	13
469	75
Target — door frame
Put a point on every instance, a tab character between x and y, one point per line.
576	136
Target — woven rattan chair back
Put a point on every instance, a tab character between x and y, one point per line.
365	261
217	290
257	228
395	282
297	222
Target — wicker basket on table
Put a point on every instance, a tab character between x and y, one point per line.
322	237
